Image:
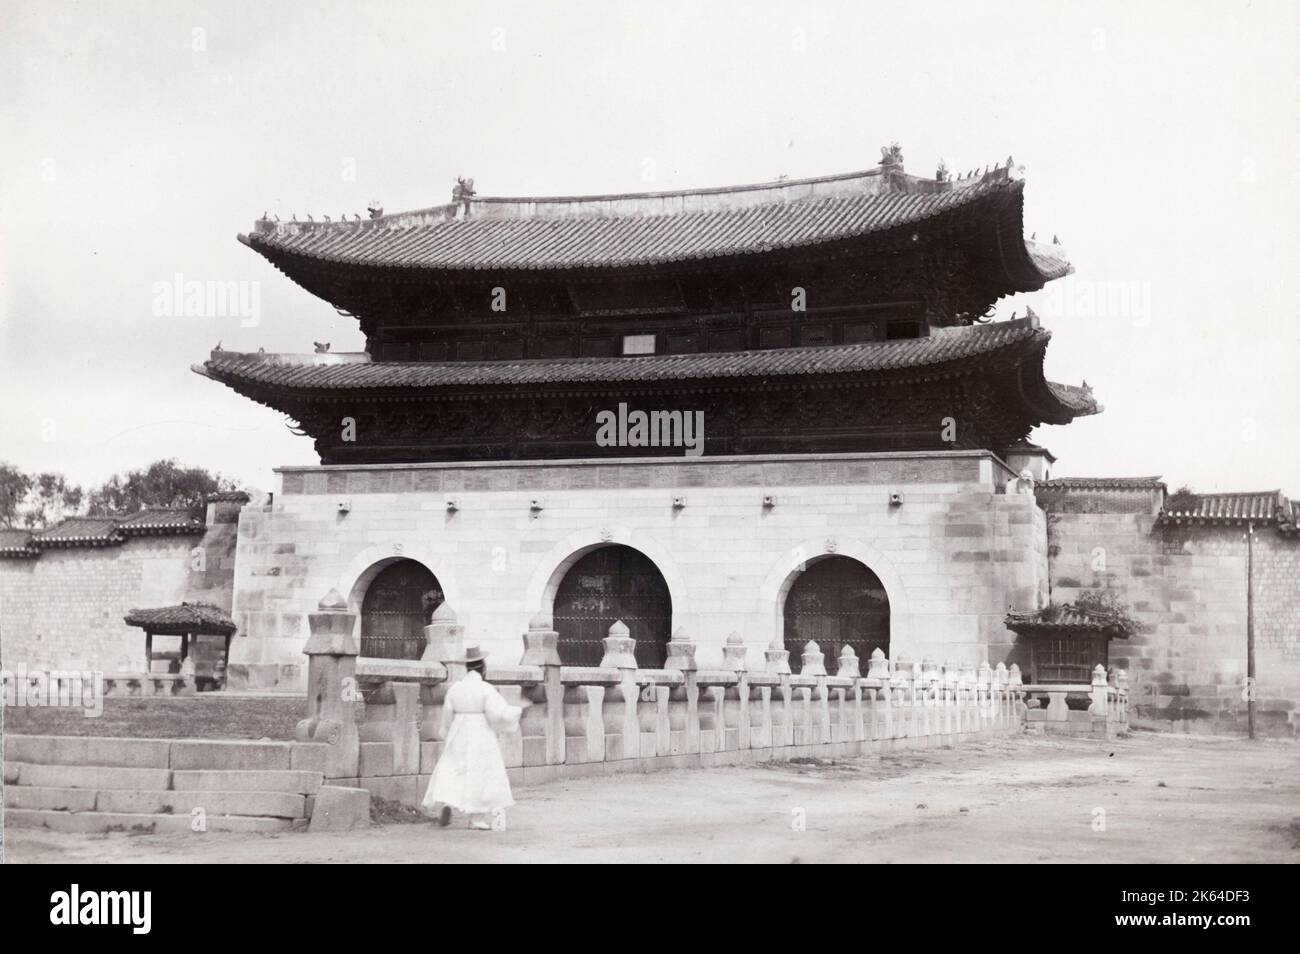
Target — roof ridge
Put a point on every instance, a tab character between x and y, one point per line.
892	177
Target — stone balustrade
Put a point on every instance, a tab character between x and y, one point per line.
618	717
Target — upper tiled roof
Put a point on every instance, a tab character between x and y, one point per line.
536	234
304	373
183	619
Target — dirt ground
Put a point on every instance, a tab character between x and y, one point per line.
1030	799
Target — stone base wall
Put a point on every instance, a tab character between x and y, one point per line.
952	555
1187	588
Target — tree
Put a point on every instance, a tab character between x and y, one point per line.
35	501
14	486
1181	500
164	483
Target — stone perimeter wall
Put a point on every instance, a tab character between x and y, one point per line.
1187	587
64	608
953	556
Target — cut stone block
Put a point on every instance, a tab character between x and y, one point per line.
269	804
87	750
51	799
340	809
92	776
302	783
222	754
83	822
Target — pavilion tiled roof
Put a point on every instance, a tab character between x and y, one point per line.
1066	619
945	347
183	619
539	234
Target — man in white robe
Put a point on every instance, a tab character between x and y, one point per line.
470	775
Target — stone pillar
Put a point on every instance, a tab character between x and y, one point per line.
444	642
1100	691
541	642
681	656
332	690
620	654
406	727
734	652
778	658
814	660
848	664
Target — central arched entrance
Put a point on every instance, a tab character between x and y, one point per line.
613	583
397	606
836	602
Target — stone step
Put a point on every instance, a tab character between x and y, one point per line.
184	754
128	801
84	822
87	776
269	804
88	750
214	780
50	799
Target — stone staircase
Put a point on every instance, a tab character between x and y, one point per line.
82	784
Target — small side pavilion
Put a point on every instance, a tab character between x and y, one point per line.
190	622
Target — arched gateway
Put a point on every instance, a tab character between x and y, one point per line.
613	583
837	602
396	608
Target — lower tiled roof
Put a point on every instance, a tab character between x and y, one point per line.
945	347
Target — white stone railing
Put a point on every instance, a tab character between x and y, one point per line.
619	713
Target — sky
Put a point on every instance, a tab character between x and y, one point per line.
1158	140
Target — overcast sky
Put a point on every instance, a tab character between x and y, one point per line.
1158	139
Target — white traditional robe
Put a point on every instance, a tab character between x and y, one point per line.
470	774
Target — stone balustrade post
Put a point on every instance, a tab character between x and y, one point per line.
1100	692
444	639
620	654
332	691
734	652
681	656
1016	695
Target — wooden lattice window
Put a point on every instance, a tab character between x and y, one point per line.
1067	659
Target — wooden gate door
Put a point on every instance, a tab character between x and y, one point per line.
837	602
609	584
396	608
